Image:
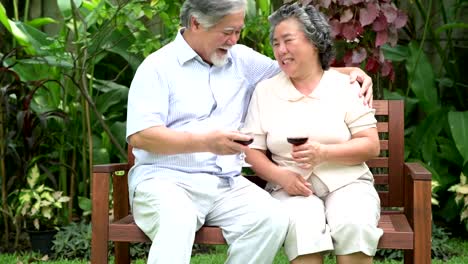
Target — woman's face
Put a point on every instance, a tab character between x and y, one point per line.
295	54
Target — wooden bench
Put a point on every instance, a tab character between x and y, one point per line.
404	189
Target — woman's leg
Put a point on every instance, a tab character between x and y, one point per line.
316	258
308	234
353	213
354	258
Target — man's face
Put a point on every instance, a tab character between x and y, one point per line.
218	39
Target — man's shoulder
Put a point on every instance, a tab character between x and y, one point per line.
167	51
161	58
240	52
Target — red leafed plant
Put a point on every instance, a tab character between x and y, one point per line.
363	26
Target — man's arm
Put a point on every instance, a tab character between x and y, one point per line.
163	140
357	74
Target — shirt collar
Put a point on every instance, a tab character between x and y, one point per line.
287	91
185	52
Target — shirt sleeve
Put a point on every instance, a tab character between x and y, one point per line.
358	116
256	66
147	100
253	123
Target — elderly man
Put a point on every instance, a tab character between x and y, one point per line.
185	105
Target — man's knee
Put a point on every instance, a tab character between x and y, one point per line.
275	218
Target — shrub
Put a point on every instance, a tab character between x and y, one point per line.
73	241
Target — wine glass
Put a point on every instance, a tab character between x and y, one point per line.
242	155
297	140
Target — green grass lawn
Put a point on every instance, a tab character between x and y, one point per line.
219	255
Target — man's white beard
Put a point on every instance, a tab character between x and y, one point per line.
218	60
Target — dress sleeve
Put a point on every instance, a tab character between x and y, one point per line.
358	116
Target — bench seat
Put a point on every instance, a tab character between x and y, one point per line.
397	232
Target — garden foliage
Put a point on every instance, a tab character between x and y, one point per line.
64	83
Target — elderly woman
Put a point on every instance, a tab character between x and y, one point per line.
324	183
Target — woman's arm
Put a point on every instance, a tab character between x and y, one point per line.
291	182
362	146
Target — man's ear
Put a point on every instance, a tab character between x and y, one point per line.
194	23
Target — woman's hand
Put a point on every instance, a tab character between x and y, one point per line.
309	154
294	184
365	81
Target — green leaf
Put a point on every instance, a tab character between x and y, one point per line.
66	7
251	9
36	39
3	18
47	212
39	22
421	78
119	43
458	122
12	27
397	53
264	6
449	152
424	136
33	176
450	26
84	203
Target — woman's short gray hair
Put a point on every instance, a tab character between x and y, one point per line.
314	25
209	12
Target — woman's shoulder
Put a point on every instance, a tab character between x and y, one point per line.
272	82
338	80
336	76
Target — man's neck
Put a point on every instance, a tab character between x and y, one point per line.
194	42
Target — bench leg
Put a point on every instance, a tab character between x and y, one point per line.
100	218
420	255
422	224
122	253
98	250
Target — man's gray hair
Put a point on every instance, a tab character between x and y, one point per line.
314	25
209	12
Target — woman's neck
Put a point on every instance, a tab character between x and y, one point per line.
307	83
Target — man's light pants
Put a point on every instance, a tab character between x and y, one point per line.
170	210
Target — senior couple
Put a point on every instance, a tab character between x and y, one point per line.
186	103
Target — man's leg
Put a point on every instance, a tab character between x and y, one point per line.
167	216
254	224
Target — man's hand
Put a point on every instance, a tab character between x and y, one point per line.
222	142
357	74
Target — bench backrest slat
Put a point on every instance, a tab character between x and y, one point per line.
388	167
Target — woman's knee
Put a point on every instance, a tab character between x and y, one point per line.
355	237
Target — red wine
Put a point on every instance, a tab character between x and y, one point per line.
296	141
244	142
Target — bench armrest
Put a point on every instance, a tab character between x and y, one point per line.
110	168
417	171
